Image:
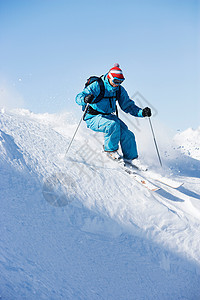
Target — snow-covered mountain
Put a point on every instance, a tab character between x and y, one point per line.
76	226
189	142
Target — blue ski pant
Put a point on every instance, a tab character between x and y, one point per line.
115	132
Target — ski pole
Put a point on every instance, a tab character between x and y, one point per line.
155	141
82	118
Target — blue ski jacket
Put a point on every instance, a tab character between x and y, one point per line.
108	105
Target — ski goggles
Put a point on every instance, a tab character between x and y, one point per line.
116	80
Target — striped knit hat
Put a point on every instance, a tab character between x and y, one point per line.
115	72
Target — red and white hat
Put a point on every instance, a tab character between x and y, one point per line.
115	72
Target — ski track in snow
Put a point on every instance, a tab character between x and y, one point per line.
78	228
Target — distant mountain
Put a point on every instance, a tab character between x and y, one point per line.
188	142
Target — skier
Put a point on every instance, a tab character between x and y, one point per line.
100	115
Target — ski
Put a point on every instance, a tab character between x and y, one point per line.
167	181
142	180
134	174
143	177
157	177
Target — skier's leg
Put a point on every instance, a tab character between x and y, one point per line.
110	126
128	143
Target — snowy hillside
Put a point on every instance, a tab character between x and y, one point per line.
79	227
189	142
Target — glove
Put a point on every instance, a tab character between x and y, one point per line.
89	98
146	112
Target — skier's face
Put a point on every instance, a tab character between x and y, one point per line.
112	83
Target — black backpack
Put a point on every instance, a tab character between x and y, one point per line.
102	88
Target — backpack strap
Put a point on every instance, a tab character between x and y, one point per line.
102	90
118	93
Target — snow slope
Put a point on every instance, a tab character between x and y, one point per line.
189	142
78	227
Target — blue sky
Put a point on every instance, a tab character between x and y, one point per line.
49	49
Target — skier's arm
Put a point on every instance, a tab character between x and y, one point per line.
128	105
93	89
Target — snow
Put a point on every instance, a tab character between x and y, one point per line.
76	226
189	142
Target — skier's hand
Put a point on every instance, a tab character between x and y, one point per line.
146	112
89	98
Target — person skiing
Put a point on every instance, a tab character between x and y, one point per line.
100	115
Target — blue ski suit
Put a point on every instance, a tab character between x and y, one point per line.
115	130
